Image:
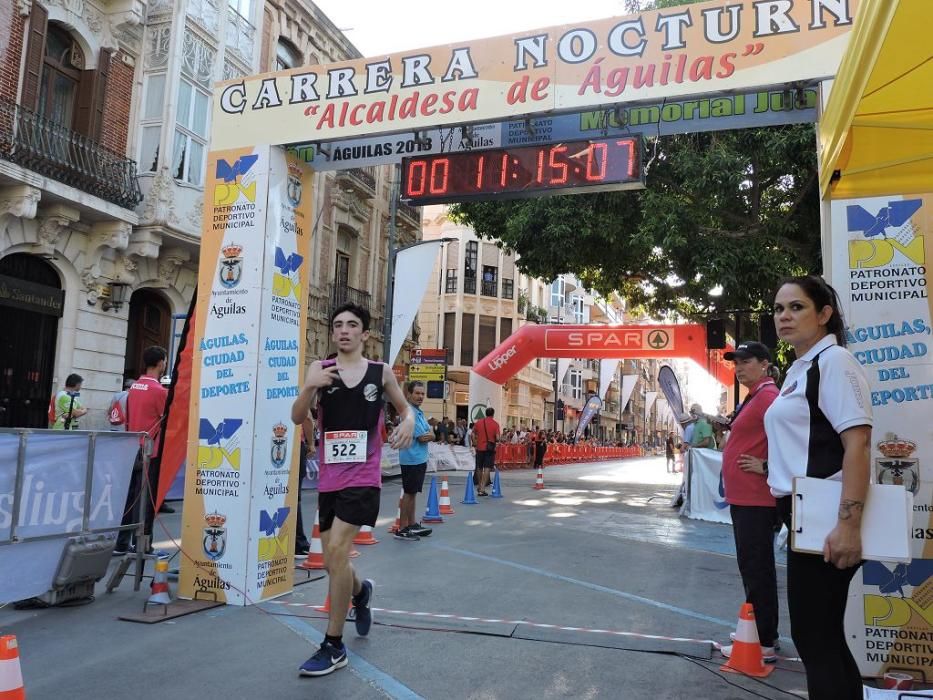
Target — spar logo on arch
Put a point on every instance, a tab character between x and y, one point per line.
605	337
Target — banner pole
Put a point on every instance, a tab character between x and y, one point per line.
390	276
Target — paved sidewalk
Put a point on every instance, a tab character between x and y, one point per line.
474	611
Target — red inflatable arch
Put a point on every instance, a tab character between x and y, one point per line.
588	341
600	342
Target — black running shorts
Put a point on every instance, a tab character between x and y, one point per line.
358	506
485	459
413	477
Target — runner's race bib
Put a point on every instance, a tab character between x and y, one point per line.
342	446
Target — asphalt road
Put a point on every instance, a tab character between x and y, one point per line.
477	610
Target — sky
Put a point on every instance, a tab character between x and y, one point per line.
378	27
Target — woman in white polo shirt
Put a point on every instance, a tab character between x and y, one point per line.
820	426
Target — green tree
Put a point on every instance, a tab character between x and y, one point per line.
736	209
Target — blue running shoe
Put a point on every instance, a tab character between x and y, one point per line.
362	615
327	660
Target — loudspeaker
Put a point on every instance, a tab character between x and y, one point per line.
715	334
767	334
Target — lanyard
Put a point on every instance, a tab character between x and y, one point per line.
748	399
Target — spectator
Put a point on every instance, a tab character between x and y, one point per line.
702	435
66	406
145	403
486	433
117	412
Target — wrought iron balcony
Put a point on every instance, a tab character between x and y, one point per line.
410	212
50	149
344	294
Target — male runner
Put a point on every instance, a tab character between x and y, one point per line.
348	392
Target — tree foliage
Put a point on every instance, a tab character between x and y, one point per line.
738	209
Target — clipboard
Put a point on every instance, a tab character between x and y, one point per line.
886	519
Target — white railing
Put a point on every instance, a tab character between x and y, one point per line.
240	35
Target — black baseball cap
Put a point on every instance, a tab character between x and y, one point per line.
747	349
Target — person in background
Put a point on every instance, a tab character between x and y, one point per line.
702	435
414	463
540	449
145	405
669	449
486	433
67	406
751	505
117	412
820	426
441	431
302	545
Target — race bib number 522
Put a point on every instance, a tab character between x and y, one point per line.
342	446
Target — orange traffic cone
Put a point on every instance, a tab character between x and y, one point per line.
315	558
746	649
11	677
365	536
326	607
539	479
160	593
398	514
444	501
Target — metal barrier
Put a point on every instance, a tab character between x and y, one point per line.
510	456
56	487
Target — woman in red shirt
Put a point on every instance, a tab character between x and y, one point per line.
745	478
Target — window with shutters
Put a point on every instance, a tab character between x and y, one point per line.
190	133
61	77
57	86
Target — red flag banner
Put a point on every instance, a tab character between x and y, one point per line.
174	438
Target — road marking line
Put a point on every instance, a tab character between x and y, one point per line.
527	623
586	584
358	666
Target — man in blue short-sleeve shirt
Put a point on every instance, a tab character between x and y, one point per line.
414	464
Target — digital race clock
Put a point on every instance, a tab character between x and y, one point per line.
527	171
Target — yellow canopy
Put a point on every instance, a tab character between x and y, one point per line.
876	134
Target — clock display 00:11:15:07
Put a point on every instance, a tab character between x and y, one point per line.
523	171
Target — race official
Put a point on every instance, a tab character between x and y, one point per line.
820	426
751	505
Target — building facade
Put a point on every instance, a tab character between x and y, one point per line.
350	241
475	300
104	133
69	192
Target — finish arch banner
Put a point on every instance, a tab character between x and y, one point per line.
710	47
579	341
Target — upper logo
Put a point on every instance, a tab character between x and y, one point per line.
370	392
236	181
222	450
884	234
231	265
279	444
286	280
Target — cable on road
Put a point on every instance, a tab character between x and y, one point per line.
694	660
